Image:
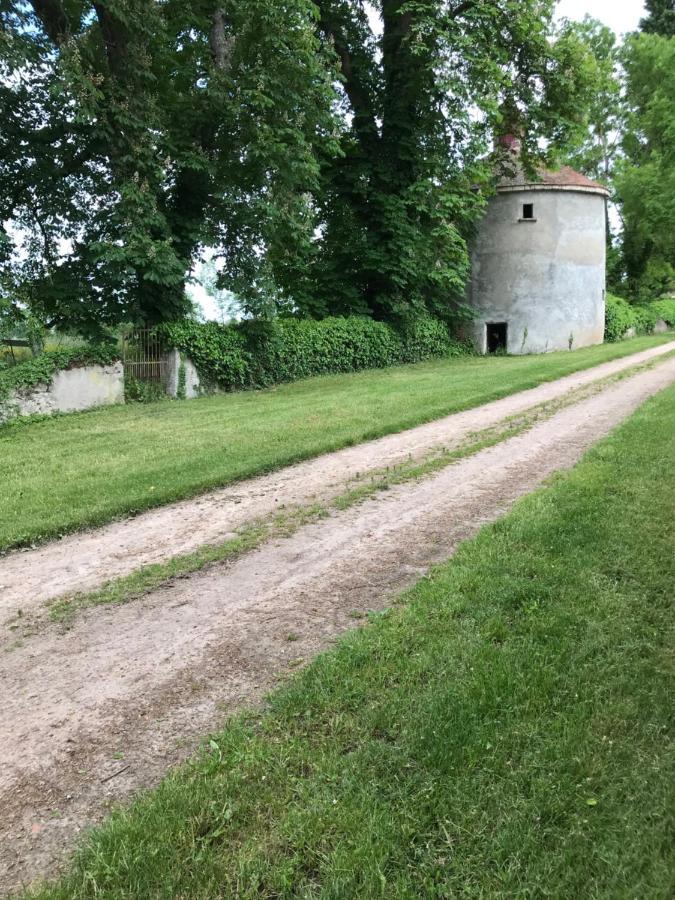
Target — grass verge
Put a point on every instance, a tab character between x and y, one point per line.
503	732
70	472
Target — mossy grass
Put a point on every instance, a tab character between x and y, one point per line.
503	731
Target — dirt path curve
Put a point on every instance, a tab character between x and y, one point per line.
93	714
85	560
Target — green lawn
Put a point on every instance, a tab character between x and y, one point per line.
503	732
82	470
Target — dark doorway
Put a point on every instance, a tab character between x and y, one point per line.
496	337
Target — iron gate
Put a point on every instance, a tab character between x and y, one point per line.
144	355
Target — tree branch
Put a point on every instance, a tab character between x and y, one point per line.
54	19
113	35
461	9
359	95
221	43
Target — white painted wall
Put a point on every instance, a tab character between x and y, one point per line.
192	387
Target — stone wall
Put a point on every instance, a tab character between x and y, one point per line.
192	387
71	390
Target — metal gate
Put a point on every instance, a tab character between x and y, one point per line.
144	355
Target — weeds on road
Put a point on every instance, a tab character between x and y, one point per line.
503	732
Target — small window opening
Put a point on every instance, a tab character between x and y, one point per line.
496	337
528	210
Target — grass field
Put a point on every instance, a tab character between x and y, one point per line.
502	732
82	470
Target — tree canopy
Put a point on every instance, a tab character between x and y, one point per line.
660	18
423	87
328	152
138	130
646	176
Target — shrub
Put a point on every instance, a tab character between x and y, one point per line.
139	391
645	319
619	317
260	353
218	351
426	338
664	308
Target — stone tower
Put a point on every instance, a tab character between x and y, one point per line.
538	263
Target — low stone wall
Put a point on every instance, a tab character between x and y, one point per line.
71	390
191	385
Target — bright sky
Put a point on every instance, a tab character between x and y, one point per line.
620	15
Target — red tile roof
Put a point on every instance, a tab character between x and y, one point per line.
564	177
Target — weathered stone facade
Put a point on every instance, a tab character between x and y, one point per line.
70	390
538	266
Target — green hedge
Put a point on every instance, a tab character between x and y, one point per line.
40	369
665	309
620	315
257	354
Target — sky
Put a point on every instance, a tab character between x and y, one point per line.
622	16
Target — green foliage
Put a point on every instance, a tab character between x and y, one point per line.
137	390
181	392
645	318
218	351
41	369
260	353
660	18
155	129
134	131
665	309
399	204
598	145
646	177
620	315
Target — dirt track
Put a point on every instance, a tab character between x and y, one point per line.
83	561
95	713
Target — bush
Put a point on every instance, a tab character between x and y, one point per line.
40	369
218	351
665	309
257	354
138	391
645	319
619	317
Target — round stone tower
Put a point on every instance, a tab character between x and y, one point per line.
538	264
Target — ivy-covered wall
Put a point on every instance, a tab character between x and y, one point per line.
622	317
256	354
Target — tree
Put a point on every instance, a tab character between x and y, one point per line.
138	130
599	147
600	143
646	178
207	277
419	99
660	18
